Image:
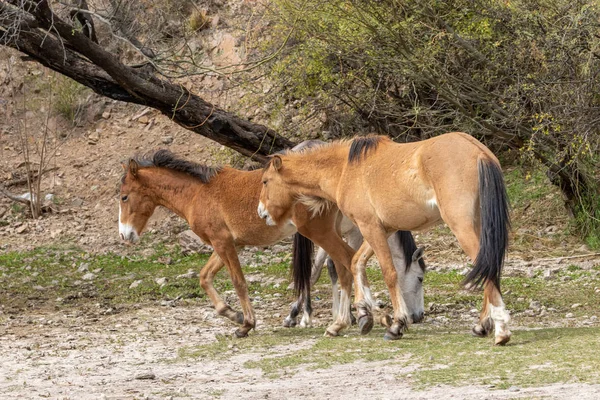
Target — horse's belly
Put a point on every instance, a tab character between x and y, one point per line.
267	236
409	216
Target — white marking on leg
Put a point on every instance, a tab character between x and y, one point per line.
501	319
306	320
368	297
344	309
335	295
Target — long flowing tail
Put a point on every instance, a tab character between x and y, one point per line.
302	263
495	224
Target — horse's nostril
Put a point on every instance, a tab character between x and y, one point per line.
418	317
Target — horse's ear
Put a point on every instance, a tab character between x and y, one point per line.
418	254
276	162
133	167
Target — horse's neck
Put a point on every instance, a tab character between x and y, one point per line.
319	174
172	190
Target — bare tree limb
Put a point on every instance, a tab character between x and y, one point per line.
40	36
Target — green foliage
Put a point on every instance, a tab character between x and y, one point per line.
67	96
198	20
506	72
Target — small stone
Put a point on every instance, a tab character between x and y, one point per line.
534	305
161	281
84	267
93	137
135	284
21	229
167	139
146	375
514	389
576	305
143	120
593	318
547	274
570	315
191	274
165	260
88	277
191	243
106	114
464	271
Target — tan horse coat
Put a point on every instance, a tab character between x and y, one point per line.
383	187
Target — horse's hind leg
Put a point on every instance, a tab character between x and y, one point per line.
318	266
363	300
335	295
207	275
377	239
493	313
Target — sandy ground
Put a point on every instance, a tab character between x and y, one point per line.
80	356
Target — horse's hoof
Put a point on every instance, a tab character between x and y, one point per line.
240	333
483	328
479	331
330	334
392	336
289	323
365	324
239	317
501	340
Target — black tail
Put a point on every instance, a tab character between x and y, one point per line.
495	224
302	263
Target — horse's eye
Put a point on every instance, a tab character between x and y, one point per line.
420	279
124	198
264	182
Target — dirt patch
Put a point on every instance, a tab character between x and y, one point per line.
136	354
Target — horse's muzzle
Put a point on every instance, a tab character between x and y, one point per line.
418	317
128	234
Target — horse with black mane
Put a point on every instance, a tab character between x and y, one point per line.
219	205
384	187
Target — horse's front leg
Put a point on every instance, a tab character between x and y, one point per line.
227	251
207	275
377	239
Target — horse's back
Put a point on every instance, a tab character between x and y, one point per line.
416	178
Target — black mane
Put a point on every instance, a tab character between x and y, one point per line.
361	146
408	248
165	159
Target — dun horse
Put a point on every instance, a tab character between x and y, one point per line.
383	187
219	204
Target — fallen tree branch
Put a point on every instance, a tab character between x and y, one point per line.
14	197
16	182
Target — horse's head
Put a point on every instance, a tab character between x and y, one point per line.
276	197
135	205
412	286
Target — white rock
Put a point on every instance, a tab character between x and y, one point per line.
135	284
88	277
